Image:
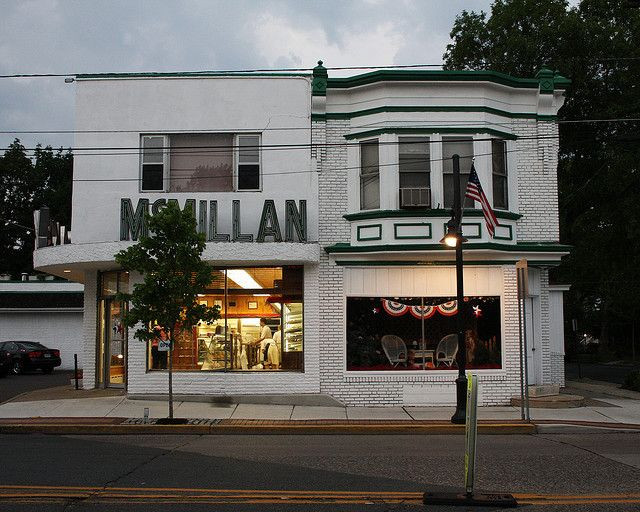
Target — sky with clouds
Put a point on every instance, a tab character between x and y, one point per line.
94	36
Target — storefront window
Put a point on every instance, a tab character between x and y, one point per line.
260	326
419	333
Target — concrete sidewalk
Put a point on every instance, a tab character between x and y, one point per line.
601	410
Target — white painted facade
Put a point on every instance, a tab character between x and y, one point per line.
55	327
348	252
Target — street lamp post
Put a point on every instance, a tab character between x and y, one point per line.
454	238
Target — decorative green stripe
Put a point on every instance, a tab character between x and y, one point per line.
435	212
519	247
560	82
186	74
401	263
411	237
412	131
432	108
369	238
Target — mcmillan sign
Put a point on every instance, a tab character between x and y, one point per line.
295	220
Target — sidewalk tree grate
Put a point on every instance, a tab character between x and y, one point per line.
153	421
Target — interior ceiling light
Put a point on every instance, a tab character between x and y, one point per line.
67	271
242	278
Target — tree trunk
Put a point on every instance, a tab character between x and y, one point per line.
171	375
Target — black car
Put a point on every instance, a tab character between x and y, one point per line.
29	355
6	363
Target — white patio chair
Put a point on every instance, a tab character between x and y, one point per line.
394	348
447	350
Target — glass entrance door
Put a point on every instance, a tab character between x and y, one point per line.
114	344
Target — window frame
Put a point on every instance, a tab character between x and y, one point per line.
463	199
504	176
165	162
376	142
237	164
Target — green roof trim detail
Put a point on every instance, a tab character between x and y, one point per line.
187	74
405	130
390	75
409	263
435	212
433	108
319	82
519	247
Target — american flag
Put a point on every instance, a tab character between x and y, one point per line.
474	191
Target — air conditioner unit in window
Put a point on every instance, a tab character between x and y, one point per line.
415	198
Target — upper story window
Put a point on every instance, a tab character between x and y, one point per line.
415	172
463	147
369	175
499	174
200	162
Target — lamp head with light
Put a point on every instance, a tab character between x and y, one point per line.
453	235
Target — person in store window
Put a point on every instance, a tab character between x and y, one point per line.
272	349
265	334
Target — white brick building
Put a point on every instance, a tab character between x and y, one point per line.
323	201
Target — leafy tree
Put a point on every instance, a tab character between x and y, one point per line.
595	44
173	273
27	184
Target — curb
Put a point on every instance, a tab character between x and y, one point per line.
262	428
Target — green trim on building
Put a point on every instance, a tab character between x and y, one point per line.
412	237
403	263
319	82
371	238
386	75
412	131
510	237
518	247
468	237
432	108
435	212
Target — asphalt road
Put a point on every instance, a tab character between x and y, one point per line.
170	473
13	385
600	371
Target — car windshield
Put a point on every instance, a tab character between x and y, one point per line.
31	346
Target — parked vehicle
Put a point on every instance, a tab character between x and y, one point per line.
29	355
6	363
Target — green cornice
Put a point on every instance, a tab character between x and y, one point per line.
433	108
405	130
441	76
435	212
187	74
552	247
408	263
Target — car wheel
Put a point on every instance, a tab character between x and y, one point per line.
18	368
47	371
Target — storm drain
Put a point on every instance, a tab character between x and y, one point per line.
153	421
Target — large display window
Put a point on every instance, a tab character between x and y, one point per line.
419	333
260	326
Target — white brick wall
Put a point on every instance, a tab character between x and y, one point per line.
89	330
537	156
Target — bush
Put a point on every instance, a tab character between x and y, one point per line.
632	381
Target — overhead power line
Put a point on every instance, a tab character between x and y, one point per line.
307	128
219	71
135	150
310	171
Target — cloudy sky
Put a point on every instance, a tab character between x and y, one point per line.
93	36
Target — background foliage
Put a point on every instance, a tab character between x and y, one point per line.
595	44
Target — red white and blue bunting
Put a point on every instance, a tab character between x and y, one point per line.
394	308
423	311
449	308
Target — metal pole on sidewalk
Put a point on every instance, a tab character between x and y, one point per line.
461	382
